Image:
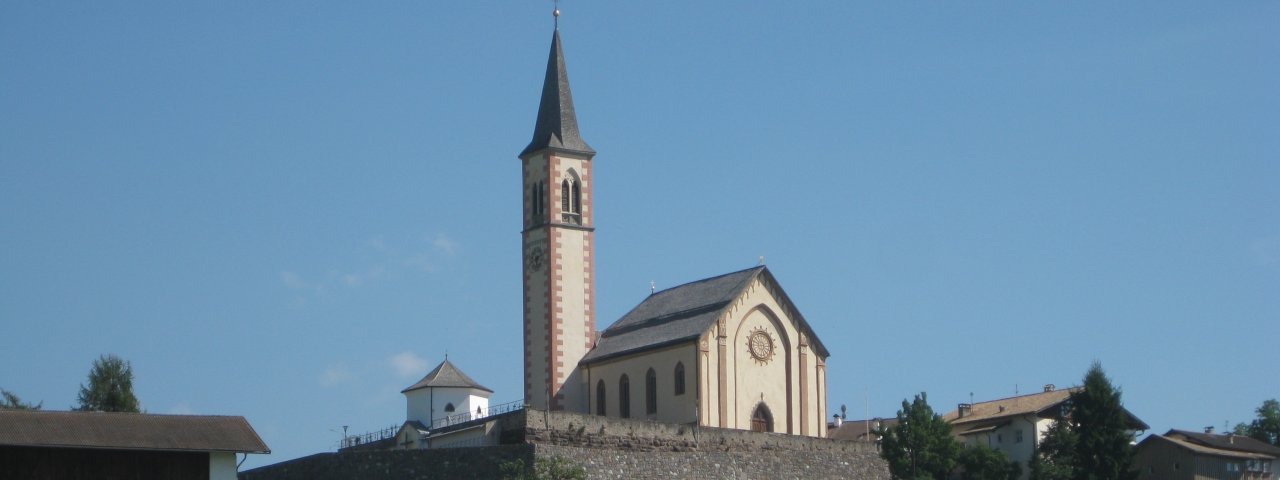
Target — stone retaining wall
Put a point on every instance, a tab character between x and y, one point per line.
608	448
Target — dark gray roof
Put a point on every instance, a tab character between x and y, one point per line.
129	431
681	314
1227	442
557	125
446	375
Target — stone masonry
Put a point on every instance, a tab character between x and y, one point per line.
608	448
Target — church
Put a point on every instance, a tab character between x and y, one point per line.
729	351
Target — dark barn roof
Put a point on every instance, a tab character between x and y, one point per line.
681	314
446	375
129	431
1239	443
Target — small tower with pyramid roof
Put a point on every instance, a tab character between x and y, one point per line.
445	396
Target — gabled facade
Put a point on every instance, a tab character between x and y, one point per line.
1180	454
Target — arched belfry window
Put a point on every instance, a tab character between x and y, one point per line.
624	397
600	410
449	408
564	196
538	200
761	419
650	392
679	386
577	197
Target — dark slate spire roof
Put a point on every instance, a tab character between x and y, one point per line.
682	314
557	125
446	375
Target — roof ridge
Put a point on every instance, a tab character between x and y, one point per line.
1068	389
708	279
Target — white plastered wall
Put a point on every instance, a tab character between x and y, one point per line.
222	466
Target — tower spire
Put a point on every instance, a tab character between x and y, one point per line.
557	125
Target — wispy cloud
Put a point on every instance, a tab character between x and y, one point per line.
358	279
335	375
444	244
407	364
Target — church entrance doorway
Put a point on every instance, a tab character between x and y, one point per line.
761	419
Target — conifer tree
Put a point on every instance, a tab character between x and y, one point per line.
11	401
920	446
110	387
1054	456
1103	448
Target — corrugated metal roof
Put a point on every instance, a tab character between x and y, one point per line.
129	431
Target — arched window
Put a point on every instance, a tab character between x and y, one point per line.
650	392
449	408
761	419
624	397
479	412
679	388
577	197
600	398
564	196
538	200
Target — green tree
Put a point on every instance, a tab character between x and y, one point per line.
1055	454
552	468
110	387
1102	445
1267	426
978	462
920	446
10	401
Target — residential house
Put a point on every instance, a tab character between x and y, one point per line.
1180	454
1015	425
92	445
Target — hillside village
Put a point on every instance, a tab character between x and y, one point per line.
718	377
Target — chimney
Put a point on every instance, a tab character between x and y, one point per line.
964	409
837	420
1208	429
1049	387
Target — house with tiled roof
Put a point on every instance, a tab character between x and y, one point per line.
1181	454
1015	425
84	445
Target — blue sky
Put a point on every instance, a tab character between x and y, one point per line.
291	210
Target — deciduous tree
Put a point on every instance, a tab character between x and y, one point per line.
978	462
110	387
920	446
1267	426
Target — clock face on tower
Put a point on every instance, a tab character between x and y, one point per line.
535	258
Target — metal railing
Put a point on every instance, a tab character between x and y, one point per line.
483	413
370	437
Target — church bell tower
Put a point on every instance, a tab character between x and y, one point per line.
558	241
